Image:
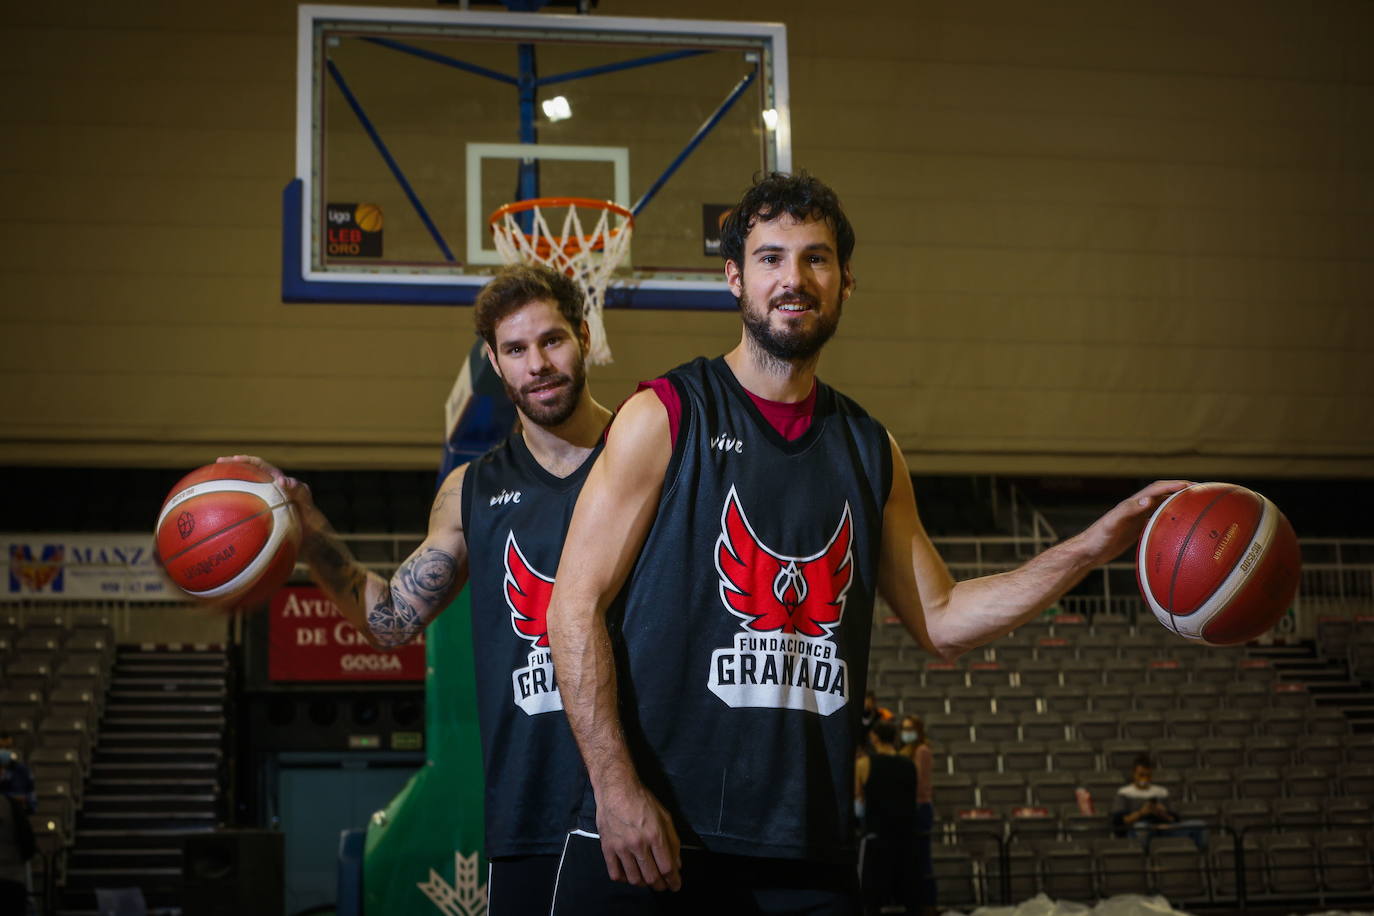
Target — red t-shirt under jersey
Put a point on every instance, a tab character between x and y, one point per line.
791	420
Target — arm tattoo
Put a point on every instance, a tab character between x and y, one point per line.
430	573
442	500
393	621
417	588
332	562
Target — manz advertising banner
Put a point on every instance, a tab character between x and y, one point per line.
84	567
309	640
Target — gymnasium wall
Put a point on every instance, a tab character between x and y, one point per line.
1094	238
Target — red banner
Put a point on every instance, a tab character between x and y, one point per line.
309	640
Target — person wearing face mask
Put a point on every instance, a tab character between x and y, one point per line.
1142	809
16	780
915	748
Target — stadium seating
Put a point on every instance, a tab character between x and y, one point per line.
1269	750
1016	700
1178	870
1067	871
1120	867
1345	862
1024	756
1062	706
955	876
1066	756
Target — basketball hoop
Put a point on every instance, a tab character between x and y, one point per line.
589	258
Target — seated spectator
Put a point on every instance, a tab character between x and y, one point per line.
1142	810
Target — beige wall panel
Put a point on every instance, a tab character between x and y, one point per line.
1094	237
960	318
167	16
200	300
141	200
875	171
200	249
234	352
185	103
217	408
1197	370
58	150
1111	274
198	53
993	86
1110	423
1111	137
1243	39
937	222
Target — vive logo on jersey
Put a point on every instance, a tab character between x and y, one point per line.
724	442
789	608
527	594
504	497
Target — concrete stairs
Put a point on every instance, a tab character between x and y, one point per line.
156	775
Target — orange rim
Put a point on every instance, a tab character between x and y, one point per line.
572	246
590	203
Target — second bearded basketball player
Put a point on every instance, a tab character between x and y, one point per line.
499	522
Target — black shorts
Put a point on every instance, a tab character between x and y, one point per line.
521	885
713	884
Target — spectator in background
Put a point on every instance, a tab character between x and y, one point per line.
915	748
873	713
15	779
1142	809
885	800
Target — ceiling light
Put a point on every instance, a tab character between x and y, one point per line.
556	108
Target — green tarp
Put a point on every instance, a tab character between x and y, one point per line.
424	851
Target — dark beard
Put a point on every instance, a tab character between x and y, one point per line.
552	413
789	346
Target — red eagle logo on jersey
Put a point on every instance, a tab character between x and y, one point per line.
771	592
527	593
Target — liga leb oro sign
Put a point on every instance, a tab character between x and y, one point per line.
309	640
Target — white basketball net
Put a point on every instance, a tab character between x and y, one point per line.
589	258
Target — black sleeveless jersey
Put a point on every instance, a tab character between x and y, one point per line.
743	630
516	515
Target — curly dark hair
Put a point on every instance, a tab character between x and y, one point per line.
518	285
798	195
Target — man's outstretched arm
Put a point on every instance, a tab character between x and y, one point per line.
387	613
950	618
613	516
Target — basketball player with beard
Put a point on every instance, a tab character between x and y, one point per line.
498	523
711	618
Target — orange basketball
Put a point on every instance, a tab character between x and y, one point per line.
228	535
1218	563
